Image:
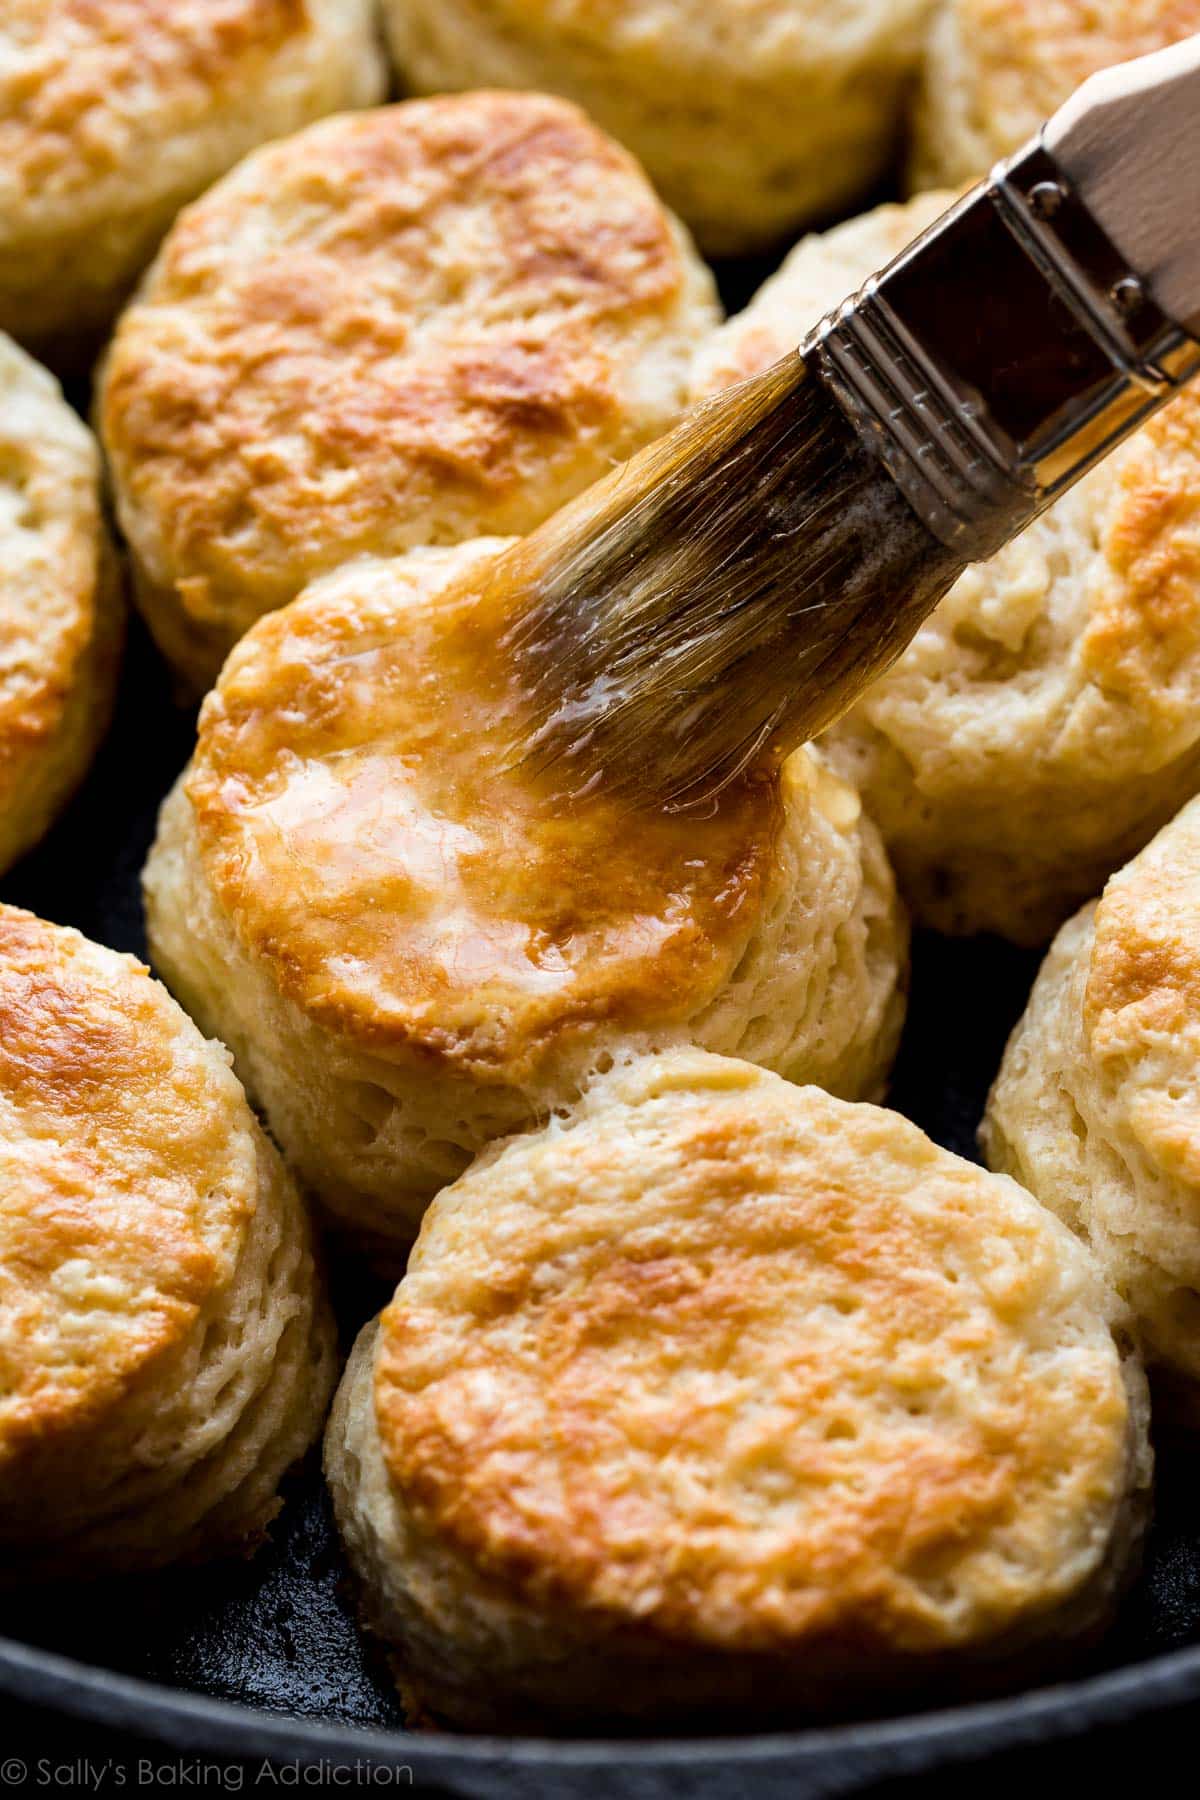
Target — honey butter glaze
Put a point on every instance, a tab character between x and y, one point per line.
368	833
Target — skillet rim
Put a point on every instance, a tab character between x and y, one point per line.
181	1719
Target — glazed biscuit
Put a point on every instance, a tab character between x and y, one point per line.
60	609
720	1399
411	327
751	116
114	113
994	71
164	1351
412	949
1045	720
1096	1108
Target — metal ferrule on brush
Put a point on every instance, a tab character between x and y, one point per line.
1001	355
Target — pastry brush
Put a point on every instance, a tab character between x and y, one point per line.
728	593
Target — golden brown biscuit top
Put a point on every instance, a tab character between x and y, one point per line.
747	1364
127	1171
1031	55
1142	642
51	548
363	828
410	326
83	83
1142	999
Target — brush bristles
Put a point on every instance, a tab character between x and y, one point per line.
720	599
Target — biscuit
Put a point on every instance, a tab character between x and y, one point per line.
164	1351
720	1398
751	116
411	327
1045	720
114	113
994	71
412	949
60	610
1096	1108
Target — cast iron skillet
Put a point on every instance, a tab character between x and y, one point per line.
264	1658
168	1656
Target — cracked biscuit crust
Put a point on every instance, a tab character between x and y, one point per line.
114	113
164	1351
411	327
742	1383
1096	1107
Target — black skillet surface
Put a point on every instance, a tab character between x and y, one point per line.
278	1635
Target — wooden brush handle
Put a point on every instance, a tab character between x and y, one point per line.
1129	140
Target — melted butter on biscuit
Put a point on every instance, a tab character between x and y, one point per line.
363	826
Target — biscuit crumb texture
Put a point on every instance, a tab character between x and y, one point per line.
1045	720
722	1398
165	1354
60	610
1096	1108
412	950
412	326
114	113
